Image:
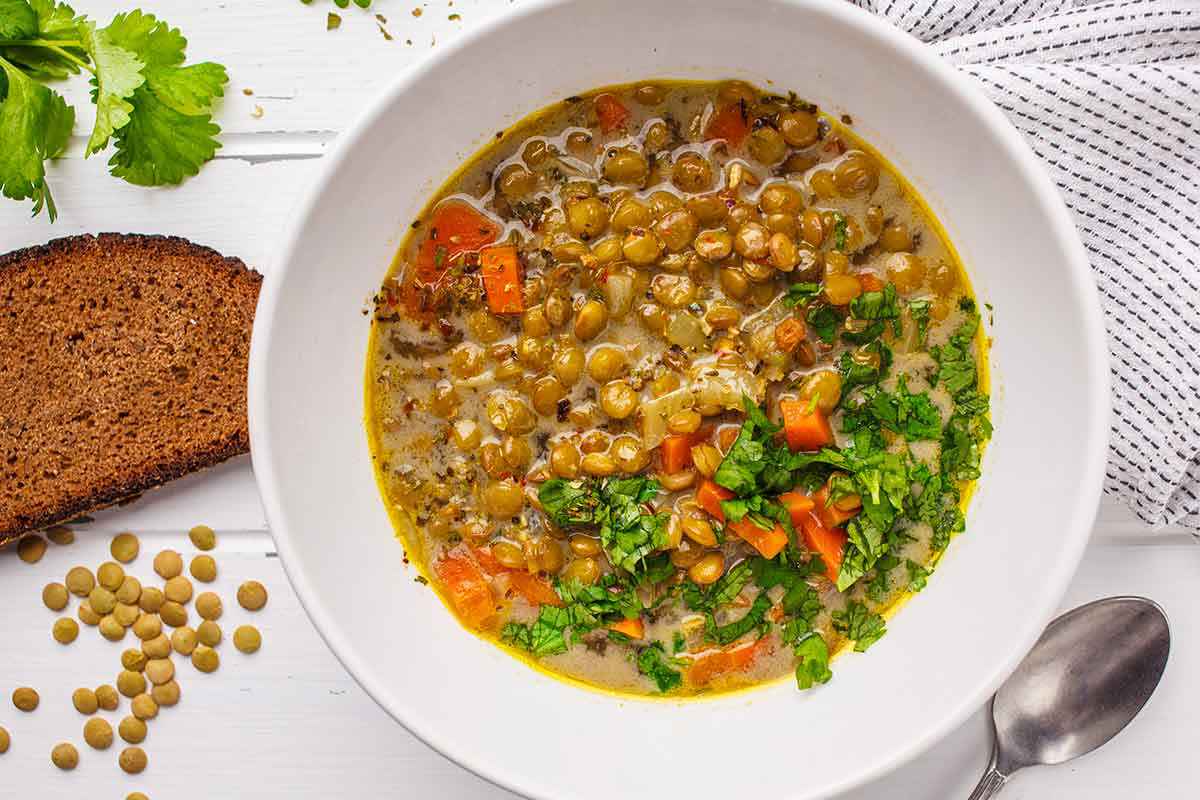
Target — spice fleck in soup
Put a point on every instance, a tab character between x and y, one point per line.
677	388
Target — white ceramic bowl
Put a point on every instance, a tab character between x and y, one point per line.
945	652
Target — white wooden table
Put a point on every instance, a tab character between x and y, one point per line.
289	722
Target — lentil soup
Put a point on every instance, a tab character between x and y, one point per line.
677	388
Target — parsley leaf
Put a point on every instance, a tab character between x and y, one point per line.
917	575
860	625
840	232
825	321
801	293
919	311
53	22
652	662
35	123
614	505
753	618
545	637
727	587
118	72
812	661
17	20
914	416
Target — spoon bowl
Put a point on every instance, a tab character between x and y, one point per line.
1088	676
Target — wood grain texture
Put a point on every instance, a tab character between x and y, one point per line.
289	722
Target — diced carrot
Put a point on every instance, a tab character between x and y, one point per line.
799	506
766	542
828	543
805	425
466	586
729	123
612	112
726	436
501	271
829	514
454	227
633	628
676	453
487	562
709	497
789	334
870	282
534	589
710	666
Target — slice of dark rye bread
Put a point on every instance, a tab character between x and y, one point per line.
122	366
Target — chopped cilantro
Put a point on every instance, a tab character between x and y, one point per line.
839	231
860	625
799	294
753	618
919	311
614	506
825	321
653	662
812	661
547	636
918	575
678	643
914	416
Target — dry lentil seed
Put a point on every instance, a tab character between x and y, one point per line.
168	564
166	694
208	633
87	614
205	659
25	698
111	629
203	537
126	614
252	595
208	606
183	639
102	600
65	630
107	697
60	535
31	548
144	707
110	575
132	730
134	660
160	670
130	590
5	740
178	590
152	599
55	596
147	626
85	701
173	614
204	569
132	760
65	756
98	733
247	639
158	647
80	581
124	547
130	683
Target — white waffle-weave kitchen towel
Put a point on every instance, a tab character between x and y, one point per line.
1108	95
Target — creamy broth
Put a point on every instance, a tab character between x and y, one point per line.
564	359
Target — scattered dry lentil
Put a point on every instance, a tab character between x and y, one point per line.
178	590
160	670
183	640
102	600
65	630
31	548
98	733
55	596
158	647
144	707
173	614
65	756
208	633
132	730
152	599
132	760
134	660
130	683
80	581
124	547
204	569
111	629
107	697
25	698
60	535
110	575
208	606
168	564
166	694
205	659
247	639
85	701
147	626
130	590
252	595
126	614
203	537
87	615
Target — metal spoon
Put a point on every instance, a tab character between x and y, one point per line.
1086	678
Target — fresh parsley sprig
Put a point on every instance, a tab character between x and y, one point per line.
156	111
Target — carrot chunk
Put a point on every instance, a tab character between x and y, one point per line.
612	112
633	628
870	282
828	514
805	425
466	586
676	453
828	543
709	497
767	542
710	666
501	271
798	505
534	589
729	123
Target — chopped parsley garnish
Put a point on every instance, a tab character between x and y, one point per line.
840	232
860	625
654	663
615	507
919	311
799	294
812	661
824	321
913	416
918	576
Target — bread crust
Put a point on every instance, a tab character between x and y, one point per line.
150	353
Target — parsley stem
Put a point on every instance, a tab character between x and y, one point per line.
52	44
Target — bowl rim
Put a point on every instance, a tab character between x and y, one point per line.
1079	274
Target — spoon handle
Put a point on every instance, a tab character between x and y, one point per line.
991	782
